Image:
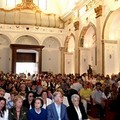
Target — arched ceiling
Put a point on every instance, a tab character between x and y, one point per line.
59	7
45	13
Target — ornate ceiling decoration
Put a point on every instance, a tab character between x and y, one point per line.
27	13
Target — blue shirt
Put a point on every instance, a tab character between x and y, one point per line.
33	115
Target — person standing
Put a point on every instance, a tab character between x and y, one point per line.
90	71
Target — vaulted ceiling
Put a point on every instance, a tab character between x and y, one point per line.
53	12
59	7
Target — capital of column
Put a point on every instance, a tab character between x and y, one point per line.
98	11
62	49
76	25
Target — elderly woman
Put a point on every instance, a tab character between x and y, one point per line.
18	112
76	110
3	110
37	113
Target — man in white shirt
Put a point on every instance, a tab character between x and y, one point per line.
57	110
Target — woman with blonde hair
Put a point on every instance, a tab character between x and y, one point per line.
18	112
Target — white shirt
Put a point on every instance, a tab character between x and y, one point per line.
5	117
49	101
78	112
58	109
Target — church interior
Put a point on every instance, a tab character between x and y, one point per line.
73	35
62	37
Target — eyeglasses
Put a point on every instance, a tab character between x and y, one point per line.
31	96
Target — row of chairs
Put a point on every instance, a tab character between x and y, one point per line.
94	112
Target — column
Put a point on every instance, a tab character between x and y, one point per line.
100	44
40	59
62	64
77	55
14	57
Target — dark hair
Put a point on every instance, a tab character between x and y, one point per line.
29	93
44	91
98	83
4	108
39	98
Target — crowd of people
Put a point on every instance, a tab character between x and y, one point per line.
47	96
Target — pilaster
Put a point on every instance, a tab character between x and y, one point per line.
100	43
77	55
62	51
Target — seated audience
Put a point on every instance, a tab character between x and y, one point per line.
18	112
98	100
10	100
65	99
37	113
76	110
85	94
2	92
57	110
114	92
3	110
29	101
46	101
106	93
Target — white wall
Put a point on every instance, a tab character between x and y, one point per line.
5	59
84	60
51	60
111	59
69	63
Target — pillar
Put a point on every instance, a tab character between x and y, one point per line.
62	64
14	57
100	43
77	55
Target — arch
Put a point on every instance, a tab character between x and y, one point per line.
67	41
104	26
4	40
111	32
51	42
54	37
83	33
27	39
112	15
16	39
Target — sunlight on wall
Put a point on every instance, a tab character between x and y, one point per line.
115	5
89	38
82	10
11	3
71	45
48	6
26	67
42	4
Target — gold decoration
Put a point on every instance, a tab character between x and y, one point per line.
76	25
36	17
98	11
90	4
27	4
